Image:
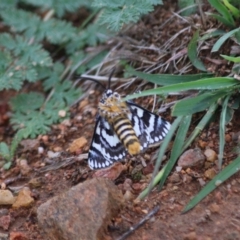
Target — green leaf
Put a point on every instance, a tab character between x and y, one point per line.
4	150
65	93
177	148
203	84
201	125
166	79
225	174
231	59
8	4
60	6
211	34
222	39
162	150
226	16
35	116
197	104
54	30
222	129
235	12
117	13
193	54
26	102
19	61
189	4
7	165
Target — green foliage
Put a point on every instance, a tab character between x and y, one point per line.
41	47
211	91
193	54
56	31
7	152
33	113
59	6
188	5
19	60
227	12
117	13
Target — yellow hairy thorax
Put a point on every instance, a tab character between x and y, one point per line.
113	107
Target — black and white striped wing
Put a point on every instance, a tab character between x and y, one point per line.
149	127
106	147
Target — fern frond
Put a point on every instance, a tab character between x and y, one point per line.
33	27
117	13
60	6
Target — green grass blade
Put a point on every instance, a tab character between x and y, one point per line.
226	173
197	104
155	181
193	53
222	128
235	12
162	151
204	121
221	8
166	79
203	84
222	20
177	147
212	34
231	59
222	39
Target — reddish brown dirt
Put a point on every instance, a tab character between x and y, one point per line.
216	217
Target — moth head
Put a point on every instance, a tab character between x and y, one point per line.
110	95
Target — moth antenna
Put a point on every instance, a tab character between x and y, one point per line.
110	76
94	80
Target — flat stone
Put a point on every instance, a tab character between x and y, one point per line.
24	198
84	212
6	197
4	236
5	222
191	158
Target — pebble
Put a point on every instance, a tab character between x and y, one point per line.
178	169
175	178
52	154
210	173
62	113
23	199
214	208
211	155
5	222
67	123
40	150
190	236
57	149
24	167
77	144
4	236
128	195
6	197
36	182
191	158
29	144
18	236
201	182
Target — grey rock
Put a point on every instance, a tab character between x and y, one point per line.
82	213
191	158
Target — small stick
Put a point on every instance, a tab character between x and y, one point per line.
146	218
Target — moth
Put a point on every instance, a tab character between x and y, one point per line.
122	127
